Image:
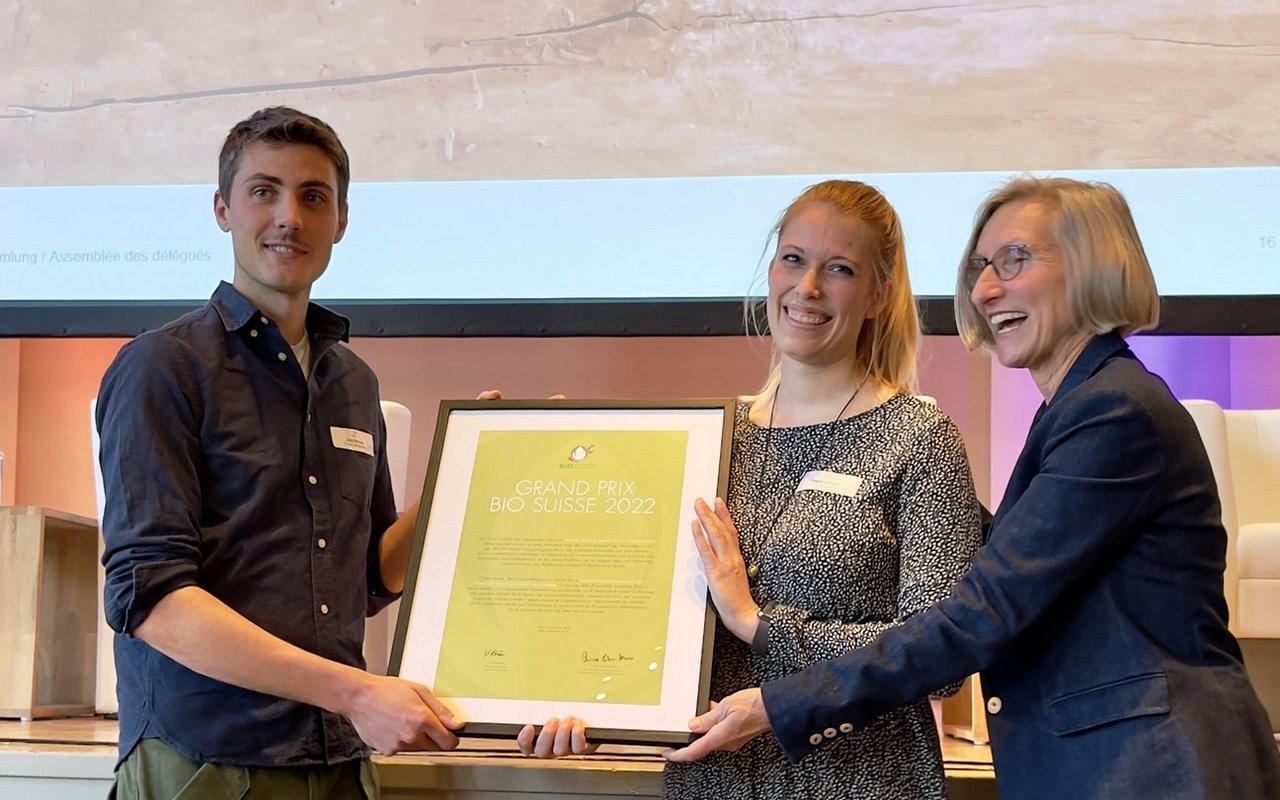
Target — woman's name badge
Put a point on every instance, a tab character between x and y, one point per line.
818	480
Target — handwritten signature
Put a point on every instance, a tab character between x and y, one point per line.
494	652
605	658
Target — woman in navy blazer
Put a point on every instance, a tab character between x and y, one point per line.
1095	610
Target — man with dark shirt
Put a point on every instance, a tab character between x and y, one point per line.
250	525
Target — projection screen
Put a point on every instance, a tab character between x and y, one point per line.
602	168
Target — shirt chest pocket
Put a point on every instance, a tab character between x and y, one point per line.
353	454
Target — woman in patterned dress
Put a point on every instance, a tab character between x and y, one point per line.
1095	609
850	506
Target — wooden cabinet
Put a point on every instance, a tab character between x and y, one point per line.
964	714
48	612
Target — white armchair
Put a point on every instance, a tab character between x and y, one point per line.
1212	424
1253	439
105	687
379	630
1244	450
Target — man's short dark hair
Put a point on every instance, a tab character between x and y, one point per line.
276	126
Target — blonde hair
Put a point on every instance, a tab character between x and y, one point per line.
889	343
1109	282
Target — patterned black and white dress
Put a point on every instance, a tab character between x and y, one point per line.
841	569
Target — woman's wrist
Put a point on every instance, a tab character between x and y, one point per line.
743	623
764	619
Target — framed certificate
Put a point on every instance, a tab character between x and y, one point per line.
554	570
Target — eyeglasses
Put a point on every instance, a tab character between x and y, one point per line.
1008	261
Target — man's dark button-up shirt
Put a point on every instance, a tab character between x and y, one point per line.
227	470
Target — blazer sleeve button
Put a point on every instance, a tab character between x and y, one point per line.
994	705
815	739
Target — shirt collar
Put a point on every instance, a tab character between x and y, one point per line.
1095	353
236	311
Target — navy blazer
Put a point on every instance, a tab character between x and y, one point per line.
1094	612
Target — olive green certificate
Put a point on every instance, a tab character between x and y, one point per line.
563	583
557	573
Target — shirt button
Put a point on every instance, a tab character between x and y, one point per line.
846	727
994	704
265	321
253	333
815	739
311	479
282	356
830	733
322	544
324	608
